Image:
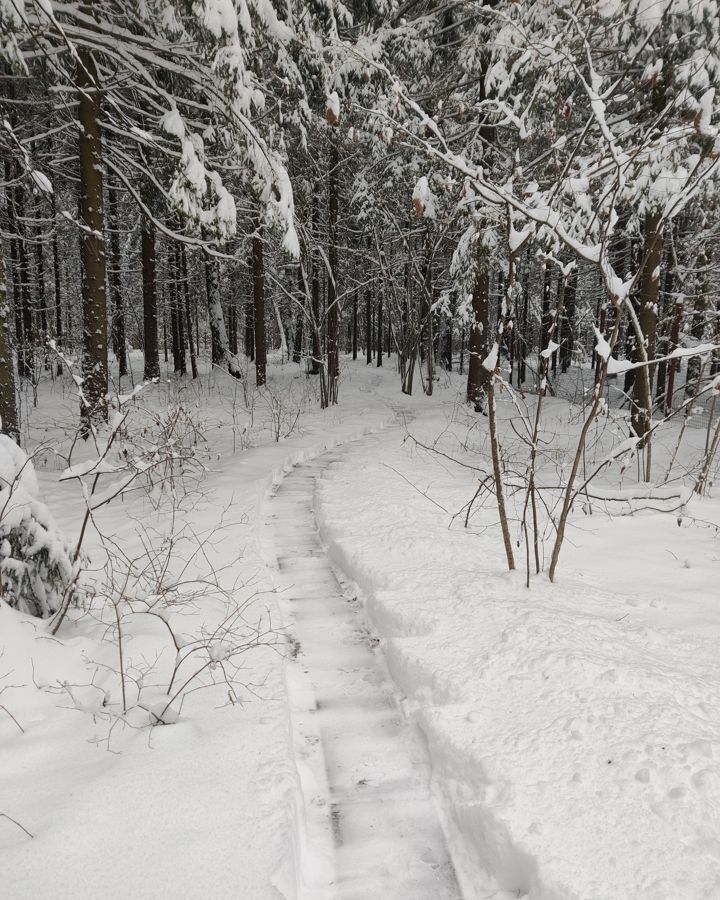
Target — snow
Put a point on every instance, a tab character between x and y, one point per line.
549	350
333	107
15	467
557	742
35	565
424	199
491	360
208	805
221	18
602	348
42	182
573	730
172	122
357	736
705	114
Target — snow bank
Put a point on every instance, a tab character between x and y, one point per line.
35	563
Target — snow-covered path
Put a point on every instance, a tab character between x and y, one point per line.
364	769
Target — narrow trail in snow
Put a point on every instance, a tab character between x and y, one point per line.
388	843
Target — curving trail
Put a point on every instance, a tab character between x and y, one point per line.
364	770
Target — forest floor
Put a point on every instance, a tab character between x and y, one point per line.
565	737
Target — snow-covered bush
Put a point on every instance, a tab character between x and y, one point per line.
35	564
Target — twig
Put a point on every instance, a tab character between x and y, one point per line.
15	822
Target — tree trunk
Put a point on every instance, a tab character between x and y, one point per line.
92	239
315	290
478	376
117	330
233	326
215	313
58	283
674	363
698	326
188	311
172	308
523	343
641	417
299	319
250	324
8	406
447	344
665	337
546	316
218	333
355	326
427	336
150	316
567	342
554	323
40	303
259	305
28	344
22	313
332	294
379	330
164	329
368	328
178	318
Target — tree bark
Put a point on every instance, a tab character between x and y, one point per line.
28	332
218	333
665	337
315	291
299	319
21	301
233	327
368	328
150	315
568	320
40	303
250	324
478	376
427	336
355	326
58	283
641	417
379	332
332	294
177	314
117	330
92	238
259	308
698	324
8	405
215	313
188	311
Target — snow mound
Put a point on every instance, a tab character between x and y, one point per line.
35	564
